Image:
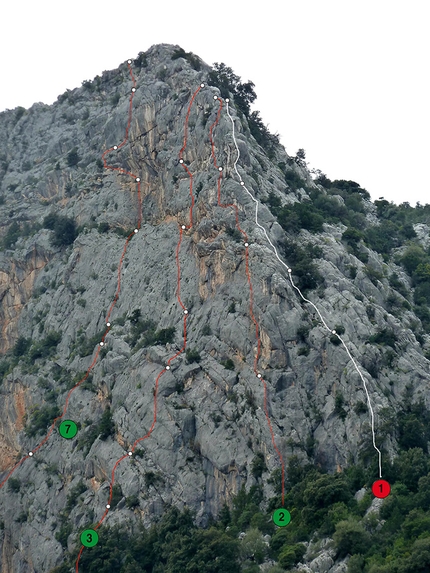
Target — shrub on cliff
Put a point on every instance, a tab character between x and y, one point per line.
64	228
73	158
41	419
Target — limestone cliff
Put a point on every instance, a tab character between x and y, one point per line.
211	420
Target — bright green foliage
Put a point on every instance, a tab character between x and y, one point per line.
350	537
409	466
291	554
252	546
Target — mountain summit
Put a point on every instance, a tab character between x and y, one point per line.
208	318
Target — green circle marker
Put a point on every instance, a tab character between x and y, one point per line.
68	429
281	517
89	537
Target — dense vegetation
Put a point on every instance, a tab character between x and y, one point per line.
398	539
393	237
321	505
243	95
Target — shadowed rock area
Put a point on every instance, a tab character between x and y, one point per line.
211	422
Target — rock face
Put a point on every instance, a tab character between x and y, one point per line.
210	420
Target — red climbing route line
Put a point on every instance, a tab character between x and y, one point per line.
182	161
167	367
116	295
251	293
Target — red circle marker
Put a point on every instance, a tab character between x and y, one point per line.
381	488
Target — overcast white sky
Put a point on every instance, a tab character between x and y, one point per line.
347	81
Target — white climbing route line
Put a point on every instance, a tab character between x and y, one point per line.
289	270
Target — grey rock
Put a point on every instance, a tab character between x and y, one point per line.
210	420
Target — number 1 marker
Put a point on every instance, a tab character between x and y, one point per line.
381	488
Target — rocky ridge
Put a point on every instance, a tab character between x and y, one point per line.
210	420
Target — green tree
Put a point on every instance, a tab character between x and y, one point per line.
64	232
419	561
352	237
165	335
192	355
229	83
291	554
413	257
258	465
12	235
350	537
106	426
409	466
42	418
21	346
322	491
356	564
416	524
73	157
422	272
252	546
300	157
216	553
45	347
423	495
14	484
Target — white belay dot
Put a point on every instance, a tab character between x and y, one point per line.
372	416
